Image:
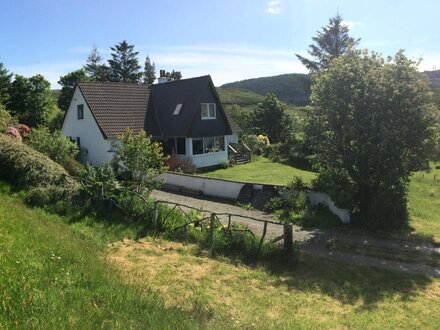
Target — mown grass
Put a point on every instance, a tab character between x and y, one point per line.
424	203
317	294
55	276
262	170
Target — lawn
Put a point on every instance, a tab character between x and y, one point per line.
262	170
317	294
53	276
423	197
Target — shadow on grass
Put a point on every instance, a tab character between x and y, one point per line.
348	284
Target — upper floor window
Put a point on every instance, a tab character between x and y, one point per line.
80	111
208	111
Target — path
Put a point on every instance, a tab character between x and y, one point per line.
314	241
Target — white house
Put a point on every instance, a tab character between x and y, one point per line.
185	115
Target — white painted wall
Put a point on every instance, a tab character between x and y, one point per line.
88	131
230	190
209	159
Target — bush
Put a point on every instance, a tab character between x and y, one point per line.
257	143
5	119
54	145
26	167
180	164
224	164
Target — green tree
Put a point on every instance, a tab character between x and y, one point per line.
5	83
31	100
149	71
95	69
68	83
5	119
271	119
54	145
143	158
372	126
331	42
175	75
124	66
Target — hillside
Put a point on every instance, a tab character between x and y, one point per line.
230	96
290	88
433	77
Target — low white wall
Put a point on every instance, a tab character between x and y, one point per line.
209	186
209	159
316	198
230	190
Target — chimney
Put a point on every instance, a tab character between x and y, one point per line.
162	78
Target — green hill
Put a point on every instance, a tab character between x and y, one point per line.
433	77
230	96
293	88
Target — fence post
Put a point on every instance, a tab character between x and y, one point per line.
154	216
263	236
229	222
212	229
288	239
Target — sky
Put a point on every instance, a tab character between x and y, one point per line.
229	39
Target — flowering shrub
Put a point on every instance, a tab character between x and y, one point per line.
12	131
22	128
263	139
180	164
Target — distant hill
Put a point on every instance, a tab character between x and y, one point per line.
433	77
229	96
293	88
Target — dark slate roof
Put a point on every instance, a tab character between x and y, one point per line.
116	106
165	97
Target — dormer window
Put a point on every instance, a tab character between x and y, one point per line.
80	111
208	111
177	109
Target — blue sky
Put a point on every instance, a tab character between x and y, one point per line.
229	39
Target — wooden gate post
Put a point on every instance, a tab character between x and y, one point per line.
212	229
288	239
154	216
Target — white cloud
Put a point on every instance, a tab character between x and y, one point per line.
274	7
352	24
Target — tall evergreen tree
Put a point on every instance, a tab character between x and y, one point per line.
68	83
5	83
31	100
329	43
124	66
95	69
175	75
149	71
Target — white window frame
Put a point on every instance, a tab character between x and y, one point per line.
211	107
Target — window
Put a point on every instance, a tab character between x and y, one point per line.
208	111
177	109
208	143
80	109
197	146
219	143
180	146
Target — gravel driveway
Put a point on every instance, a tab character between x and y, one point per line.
312	241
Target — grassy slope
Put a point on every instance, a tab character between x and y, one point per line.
318	294
237	96
52	276
262	170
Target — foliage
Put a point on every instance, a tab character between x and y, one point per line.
14	133
26	167
5	83
5	119
31	100
291	88
372	124
143	158
331	42
257	143
174	75
54	145
94	68
241	116
124	66
224	164
270	118
149	71
180	164
68	83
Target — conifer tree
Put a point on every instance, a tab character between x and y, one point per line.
149	71
95	69
329	43
124	66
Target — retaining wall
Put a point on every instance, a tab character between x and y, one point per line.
228	189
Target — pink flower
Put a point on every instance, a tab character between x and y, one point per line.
12	131
22	128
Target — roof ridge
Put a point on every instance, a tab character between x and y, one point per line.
181	80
